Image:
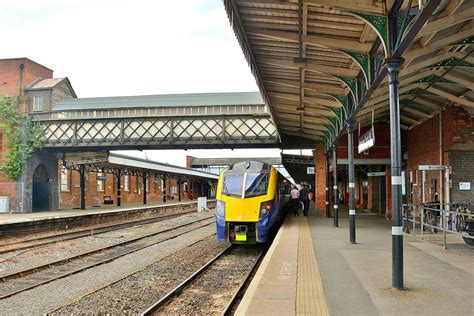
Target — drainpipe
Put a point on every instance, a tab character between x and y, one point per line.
20	88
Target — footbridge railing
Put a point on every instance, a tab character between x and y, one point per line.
226	130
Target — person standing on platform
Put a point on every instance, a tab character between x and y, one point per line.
295	200
305	199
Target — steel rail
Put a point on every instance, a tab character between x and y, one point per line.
118	280
68	259
247	278
85	232
158	304
95	264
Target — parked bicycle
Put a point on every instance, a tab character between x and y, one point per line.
462	221
431	213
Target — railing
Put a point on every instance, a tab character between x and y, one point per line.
224	131
433	217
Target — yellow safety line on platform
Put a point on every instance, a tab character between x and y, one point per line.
310	298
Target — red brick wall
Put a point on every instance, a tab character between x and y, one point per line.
189	161
423	147
370	185
10	86
423	140
10	74
381	149
320	179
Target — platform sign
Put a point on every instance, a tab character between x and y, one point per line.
366	140
431	167
202	204
101	178
465	186
310	170
376	174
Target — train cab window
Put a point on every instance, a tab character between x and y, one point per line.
256	184
233	184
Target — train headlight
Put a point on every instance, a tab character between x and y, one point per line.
220	208
265	208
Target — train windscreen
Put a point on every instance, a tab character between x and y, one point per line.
233	184
255	184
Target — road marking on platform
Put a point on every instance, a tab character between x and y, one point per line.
310	299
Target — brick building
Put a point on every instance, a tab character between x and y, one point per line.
46	185
16	75
421	145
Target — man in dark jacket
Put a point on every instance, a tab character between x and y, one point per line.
304	198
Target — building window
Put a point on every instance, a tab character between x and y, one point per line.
126	186
137	184
64	179
147	184
100	182
38	103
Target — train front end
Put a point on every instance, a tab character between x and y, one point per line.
246	203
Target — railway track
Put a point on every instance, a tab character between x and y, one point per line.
218	284
47	240
33	277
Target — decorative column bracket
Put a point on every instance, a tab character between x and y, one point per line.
400	19
467	40
379	24
351	84
362	60
342	99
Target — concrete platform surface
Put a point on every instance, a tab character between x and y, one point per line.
311	265
64	213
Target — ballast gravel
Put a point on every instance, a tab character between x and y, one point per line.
210	293
134	294
17	261
51	296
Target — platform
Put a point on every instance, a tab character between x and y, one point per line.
312	269
63	213
17	223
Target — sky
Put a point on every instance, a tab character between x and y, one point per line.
139	47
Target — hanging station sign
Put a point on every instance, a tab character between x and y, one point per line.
310	170
376	174
431	167
366	140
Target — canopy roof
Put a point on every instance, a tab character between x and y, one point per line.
320	62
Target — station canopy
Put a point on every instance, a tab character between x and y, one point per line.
320	62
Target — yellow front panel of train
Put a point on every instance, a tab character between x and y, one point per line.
246	209
242	210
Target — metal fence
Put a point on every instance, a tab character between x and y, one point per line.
438	217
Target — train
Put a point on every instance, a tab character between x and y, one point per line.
251	200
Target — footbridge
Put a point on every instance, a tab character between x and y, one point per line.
204	120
